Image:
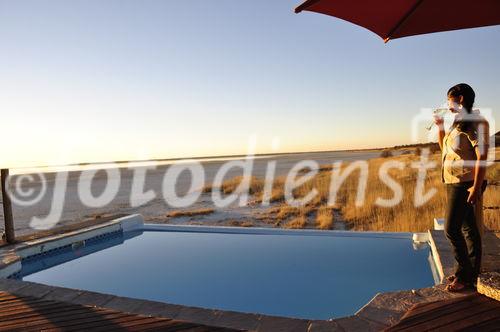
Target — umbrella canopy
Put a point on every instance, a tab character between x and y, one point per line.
392	19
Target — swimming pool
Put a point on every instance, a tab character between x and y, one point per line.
313	275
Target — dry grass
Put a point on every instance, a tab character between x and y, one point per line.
491	201
189	213
404	217
324	218
297	222
321	168
277	192
236	223
286	212
228	187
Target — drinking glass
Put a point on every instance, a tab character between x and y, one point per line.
439	112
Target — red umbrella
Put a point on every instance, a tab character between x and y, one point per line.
392	19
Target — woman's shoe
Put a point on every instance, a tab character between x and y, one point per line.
456	286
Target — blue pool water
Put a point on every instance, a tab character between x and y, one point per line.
314	277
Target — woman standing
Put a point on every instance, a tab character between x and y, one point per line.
464	152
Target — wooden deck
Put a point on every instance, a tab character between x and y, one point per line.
474	312
20	313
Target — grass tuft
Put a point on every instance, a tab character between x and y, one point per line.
298	222
324	218
189	213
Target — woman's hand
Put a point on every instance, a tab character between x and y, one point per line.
473	195
438	120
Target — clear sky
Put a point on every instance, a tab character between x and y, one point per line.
96	80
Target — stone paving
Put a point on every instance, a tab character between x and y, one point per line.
388	308
382	311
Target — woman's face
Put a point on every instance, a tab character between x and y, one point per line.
454	104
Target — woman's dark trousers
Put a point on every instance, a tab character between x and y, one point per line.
462	231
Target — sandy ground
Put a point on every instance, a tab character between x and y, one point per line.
157	209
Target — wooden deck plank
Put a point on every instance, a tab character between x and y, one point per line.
26	313
25	300
8	297
425	307
142	322
43	322
446	309
468	312
47	313
59	318
28	316
473	321
157	326
39	307
486	326
471	316
26	304
62	319
22	312
93	324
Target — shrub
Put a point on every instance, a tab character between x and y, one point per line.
434	148
386	154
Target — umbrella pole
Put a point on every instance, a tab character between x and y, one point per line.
7	209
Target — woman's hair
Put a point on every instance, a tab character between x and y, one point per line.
469	96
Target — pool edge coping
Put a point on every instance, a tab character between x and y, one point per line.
11	256
441	253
